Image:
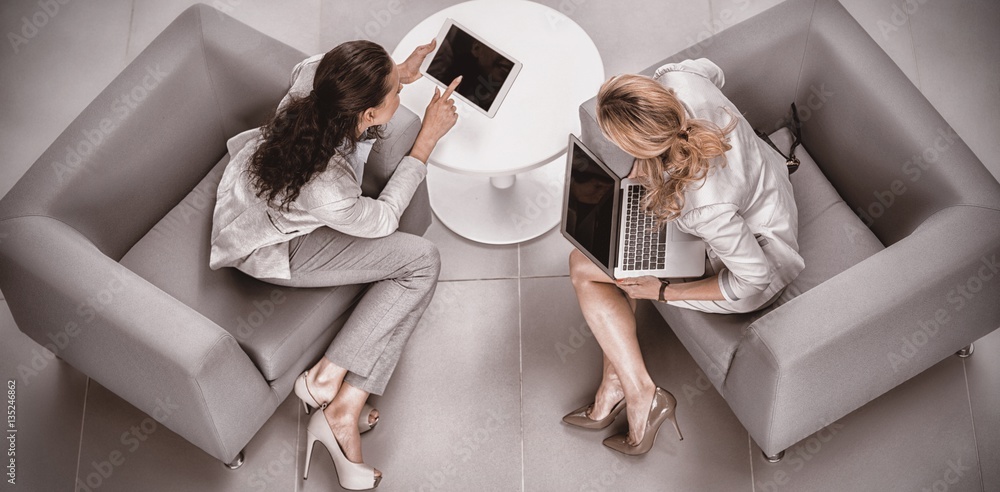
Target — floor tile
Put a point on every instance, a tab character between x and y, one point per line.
983	372
561	371
49	397
462	259
890	30
295	23
62	64
157	459
450	418
907	439
960	69
545	256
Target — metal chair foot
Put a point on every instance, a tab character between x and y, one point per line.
774	458
966	352
237	462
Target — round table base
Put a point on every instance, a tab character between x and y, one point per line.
475	208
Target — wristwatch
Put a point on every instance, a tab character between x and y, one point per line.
663	286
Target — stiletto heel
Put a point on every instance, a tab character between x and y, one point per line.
309	402
351	475
581	416
310	441
673	420
662	408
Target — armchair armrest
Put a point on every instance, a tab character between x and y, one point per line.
142	344
871	327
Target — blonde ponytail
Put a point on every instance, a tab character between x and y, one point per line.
673	152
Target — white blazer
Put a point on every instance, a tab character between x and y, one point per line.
745	211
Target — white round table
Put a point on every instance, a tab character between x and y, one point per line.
500	180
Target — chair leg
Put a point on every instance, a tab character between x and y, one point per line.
774	458
966	352
237	462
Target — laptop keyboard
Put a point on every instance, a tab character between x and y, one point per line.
645	242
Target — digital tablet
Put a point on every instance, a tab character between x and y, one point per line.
487	72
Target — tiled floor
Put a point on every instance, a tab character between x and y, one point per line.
503	352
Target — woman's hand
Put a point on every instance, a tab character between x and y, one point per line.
439	118
634	173
645	287
409	70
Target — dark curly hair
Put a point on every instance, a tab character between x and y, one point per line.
300	140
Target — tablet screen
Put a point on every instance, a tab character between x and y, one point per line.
483	70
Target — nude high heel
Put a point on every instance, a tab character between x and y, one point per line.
662	408
352	476
581	416
309	403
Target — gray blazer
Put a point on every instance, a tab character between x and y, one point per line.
252	236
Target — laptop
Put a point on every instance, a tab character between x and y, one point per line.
603	217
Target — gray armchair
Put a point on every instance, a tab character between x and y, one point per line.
105	257
899	228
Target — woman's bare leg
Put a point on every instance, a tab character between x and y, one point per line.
611	317
610	391
342	415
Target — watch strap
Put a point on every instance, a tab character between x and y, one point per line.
663	287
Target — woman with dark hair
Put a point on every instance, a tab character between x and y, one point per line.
290	212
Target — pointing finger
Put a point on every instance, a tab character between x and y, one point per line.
451	88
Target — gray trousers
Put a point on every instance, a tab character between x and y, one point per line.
403	270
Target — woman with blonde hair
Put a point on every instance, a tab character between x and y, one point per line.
703	168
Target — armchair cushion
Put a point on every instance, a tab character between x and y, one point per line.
831	239
274	325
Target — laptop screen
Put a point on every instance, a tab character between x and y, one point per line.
590	209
